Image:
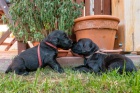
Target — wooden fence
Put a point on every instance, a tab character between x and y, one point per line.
98	7
127	10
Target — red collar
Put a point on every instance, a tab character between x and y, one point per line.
38	52
51	45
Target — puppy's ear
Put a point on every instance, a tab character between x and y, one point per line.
52	39
94	47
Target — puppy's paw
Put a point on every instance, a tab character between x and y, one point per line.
82	69
61	70
74	69
25	73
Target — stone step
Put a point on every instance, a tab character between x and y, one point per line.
74	61
134	58
65	61
70	61
4	63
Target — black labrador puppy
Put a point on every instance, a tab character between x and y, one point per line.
99	62
46	52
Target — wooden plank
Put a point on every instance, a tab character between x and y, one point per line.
128	11
5	43
118	11
106	7
1	12
10	44
4	36
97	7
129	25
87	7
1	22
5	9
136	15
91	7
30	44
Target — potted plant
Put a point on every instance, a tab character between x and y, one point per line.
99	28
35	19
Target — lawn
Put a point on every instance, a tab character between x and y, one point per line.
48	81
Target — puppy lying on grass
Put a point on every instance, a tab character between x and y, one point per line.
99	62
42	55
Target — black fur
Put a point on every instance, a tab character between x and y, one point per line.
28	60
100	62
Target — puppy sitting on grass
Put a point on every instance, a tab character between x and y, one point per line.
99	62
42	55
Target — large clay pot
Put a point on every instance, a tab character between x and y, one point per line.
62	53
101	29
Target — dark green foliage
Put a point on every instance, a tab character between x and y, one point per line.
34	19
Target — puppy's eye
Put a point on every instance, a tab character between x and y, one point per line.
65	36
78	47
90	45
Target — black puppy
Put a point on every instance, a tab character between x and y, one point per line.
29	60
99	62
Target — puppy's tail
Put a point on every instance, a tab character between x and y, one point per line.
8	69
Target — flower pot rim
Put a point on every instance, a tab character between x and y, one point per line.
63	50
109	17
62	53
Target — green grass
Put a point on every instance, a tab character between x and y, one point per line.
48	81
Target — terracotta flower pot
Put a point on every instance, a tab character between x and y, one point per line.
62	53
101	29
35	43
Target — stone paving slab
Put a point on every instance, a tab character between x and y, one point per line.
135	59
64	62
6	59
4	63
7	54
